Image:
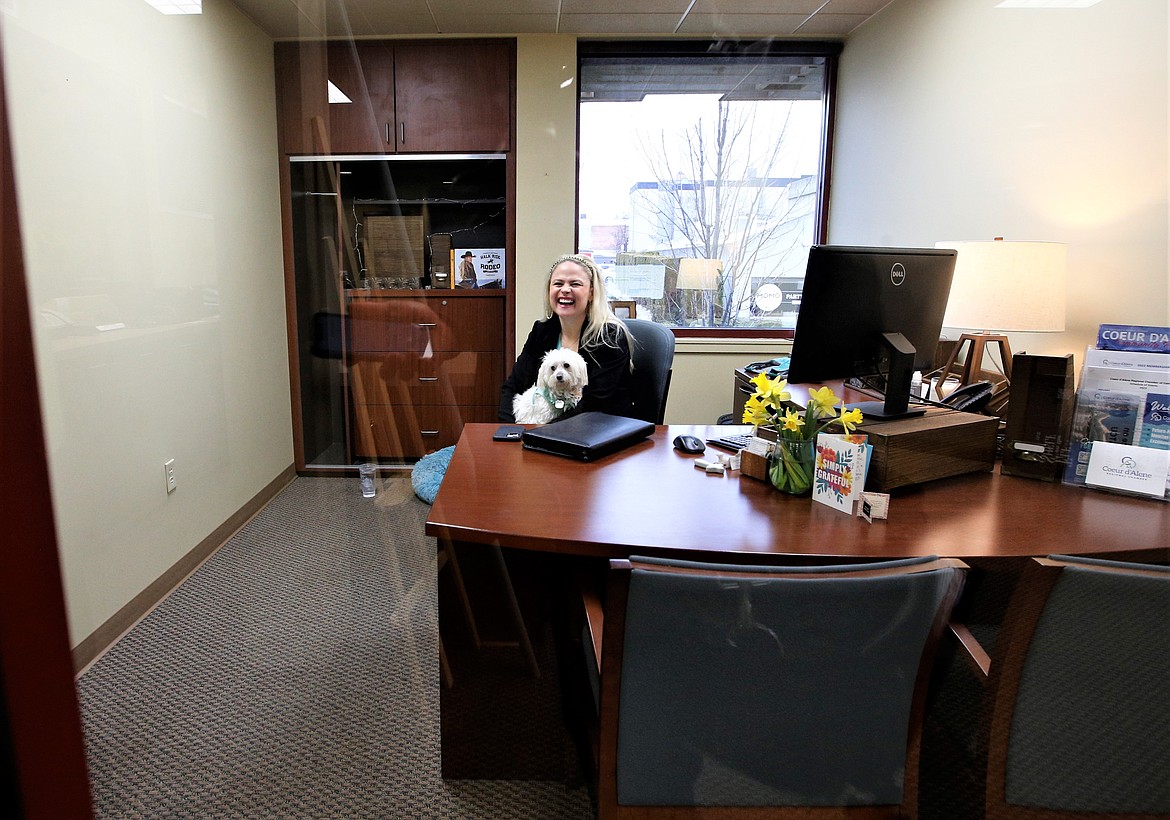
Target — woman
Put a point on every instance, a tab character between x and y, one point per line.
579	318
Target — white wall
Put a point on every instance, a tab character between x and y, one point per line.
958	120
546	166
146	169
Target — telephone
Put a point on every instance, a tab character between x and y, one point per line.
971	398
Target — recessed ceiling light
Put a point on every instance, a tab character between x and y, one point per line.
1046	4
178	6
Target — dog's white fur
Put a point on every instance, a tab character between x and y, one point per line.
558	386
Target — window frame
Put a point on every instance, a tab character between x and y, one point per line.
666	49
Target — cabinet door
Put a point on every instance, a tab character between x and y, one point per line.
364	73
453	96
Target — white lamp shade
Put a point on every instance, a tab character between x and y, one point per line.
1006	286
699	274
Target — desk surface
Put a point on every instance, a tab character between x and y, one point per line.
650	499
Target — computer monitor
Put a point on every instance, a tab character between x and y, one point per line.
871	311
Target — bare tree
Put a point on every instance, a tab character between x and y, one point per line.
716	198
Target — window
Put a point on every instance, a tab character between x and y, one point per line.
701	179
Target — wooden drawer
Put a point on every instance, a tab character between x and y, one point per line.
443	378
412	323
412	431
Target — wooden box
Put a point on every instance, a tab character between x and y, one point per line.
940	444
753	465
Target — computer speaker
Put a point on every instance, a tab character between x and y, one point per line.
1039	417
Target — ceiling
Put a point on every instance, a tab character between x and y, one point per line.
292	19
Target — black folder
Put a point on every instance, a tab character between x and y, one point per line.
587	436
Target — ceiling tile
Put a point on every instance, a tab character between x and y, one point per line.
618	23
802	7
742	25
832	25
281	18
620	7
866	7
490	7
496	23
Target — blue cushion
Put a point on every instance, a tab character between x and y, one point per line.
428	473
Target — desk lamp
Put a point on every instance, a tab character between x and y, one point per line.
1000	286
701	275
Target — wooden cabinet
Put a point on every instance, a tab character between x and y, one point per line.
453	98
394	96
422	366
396	153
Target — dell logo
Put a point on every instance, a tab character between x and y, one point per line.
897	274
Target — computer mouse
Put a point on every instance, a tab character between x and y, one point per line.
689	444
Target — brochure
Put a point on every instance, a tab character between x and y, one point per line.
1120	437
1134	337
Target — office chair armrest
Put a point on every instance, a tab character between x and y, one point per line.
594	617
973	653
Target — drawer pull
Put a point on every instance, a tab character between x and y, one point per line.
428	324
429	432
428	378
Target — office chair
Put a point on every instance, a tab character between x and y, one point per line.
780	691
653	357
1079	694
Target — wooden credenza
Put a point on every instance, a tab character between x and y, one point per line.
421	365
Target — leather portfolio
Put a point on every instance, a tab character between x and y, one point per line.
587	436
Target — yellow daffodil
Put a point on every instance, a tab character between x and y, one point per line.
772	392
850	418
793	421
755	412
822	400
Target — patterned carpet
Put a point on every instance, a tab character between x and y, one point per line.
295	674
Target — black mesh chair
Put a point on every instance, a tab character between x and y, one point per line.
782	691
653	357
1079	722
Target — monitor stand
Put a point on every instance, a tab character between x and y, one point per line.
900	354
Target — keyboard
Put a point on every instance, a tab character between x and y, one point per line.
734	442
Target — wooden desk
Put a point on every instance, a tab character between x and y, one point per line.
651	500
561	516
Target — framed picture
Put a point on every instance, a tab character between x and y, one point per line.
478	267
624	309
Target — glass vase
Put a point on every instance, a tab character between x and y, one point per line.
790	467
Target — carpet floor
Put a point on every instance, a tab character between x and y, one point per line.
294	675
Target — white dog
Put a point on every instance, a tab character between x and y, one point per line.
558	386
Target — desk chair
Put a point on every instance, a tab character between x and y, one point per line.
778	691
1079	694
653	357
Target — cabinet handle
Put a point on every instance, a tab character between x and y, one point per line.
402	132
387	133
429	432
428	324
428	378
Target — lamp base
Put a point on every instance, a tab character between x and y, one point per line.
966	365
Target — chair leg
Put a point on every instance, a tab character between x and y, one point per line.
517	617
447	555
444	666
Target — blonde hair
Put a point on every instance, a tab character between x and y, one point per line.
601	323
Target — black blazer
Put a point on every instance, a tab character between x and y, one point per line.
607	362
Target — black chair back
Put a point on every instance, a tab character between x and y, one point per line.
653	358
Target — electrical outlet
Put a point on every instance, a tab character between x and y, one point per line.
169	467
